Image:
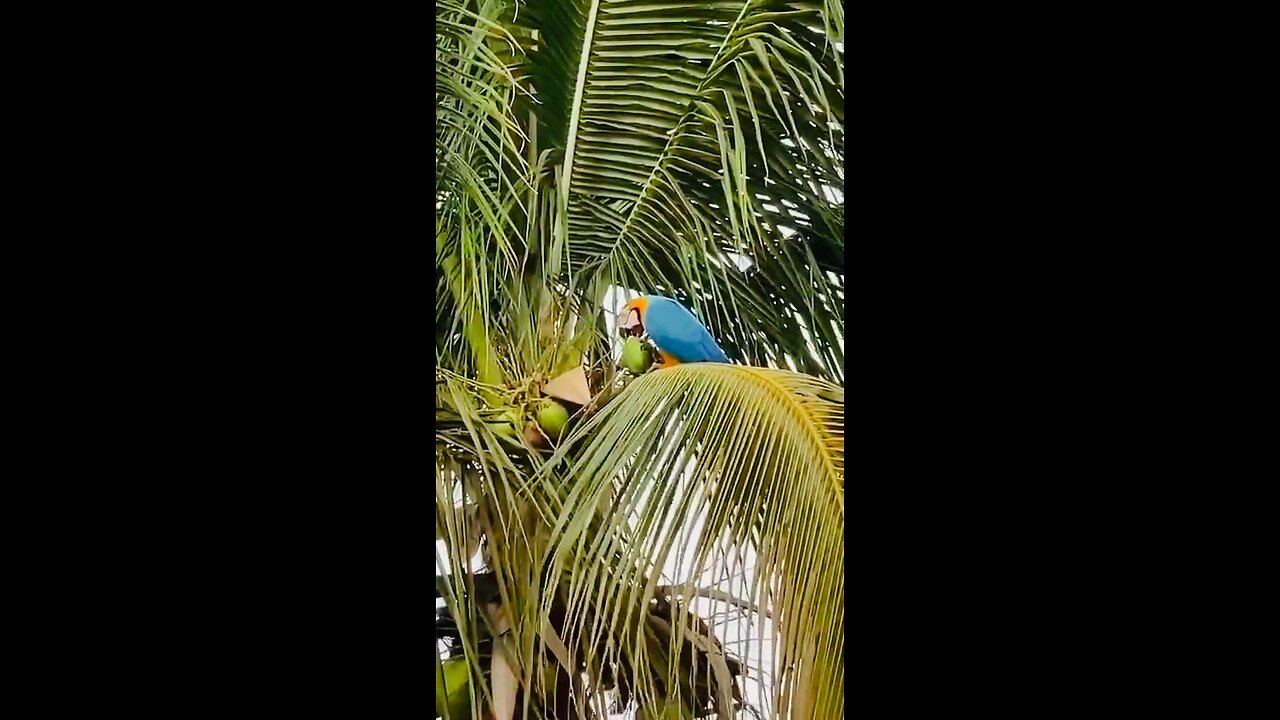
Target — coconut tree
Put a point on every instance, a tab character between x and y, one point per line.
693	149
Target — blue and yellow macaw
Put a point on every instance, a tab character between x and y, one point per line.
680	337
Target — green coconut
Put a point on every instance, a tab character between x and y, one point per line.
453	689
636	355
552	417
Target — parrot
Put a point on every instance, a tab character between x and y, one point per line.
680	337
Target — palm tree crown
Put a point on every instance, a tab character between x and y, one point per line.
687	149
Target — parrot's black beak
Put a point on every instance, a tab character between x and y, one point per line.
629	324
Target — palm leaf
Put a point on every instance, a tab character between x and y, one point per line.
666	168
758	456
691	131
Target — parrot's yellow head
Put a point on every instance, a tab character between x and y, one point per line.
629	320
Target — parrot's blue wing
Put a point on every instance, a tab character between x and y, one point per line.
677	332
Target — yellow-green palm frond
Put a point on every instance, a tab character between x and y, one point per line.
757	457
481	179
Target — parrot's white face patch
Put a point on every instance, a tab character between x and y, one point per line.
630	324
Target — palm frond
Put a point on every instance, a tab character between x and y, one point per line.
669	171
758	454
481	178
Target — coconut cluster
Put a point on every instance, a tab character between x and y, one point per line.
552	415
